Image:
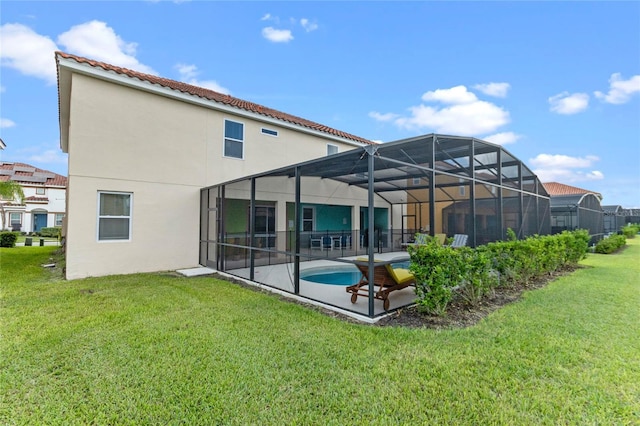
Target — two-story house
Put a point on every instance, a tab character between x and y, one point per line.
44	198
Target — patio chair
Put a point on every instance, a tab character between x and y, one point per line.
442	238
459	240
385	277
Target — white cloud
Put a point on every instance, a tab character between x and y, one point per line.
307	25
50	156
188	74
562	161
498	90
3	89
32	54
28	52
455	95
5	123
383	117
620	91
565	103
266	17
474	118
565	169
463	114
98	41
503	138
277	36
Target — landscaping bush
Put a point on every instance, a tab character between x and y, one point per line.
442	271
630	231
610	244
437	269
49	232
8	239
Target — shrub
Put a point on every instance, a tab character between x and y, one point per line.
8	239
49	232
630	231
480	279
438	270
610	244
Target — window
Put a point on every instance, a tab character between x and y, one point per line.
233	139
15	218
269	132
332	149
40	191
114	216
461	188
59	219
307	219
416	181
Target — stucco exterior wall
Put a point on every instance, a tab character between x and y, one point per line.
163	151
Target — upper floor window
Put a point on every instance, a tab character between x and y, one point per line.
269	132
114	216
233	139
41	191
332	149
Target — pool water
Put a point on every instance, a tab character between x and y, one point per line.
333	275
339	275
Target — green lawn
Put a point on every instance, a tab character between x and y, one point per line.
159	349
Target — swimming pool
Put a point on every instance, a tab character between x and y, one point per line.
340	274
333	275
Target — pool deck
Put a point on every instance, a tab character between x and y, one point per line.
279	279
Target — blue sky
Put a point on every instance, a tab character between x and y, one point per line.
557	84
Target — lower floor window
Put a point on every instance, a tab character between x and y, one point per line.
59	219
114	216
15	218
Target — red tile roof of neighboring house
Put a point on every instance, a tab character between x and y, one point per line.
37	199
556	188
26	174
216	97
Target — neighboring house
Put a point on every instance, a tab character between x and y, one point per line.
44	198
575	208
140	149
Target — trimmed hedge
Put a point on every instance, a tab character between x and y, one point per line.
49	232
441	272
8	239
610	244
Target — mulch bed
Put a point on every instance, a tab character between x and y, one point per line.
460	314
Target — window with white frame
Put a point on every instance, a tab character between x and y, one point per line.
40	191
59	219
332	149
307	219
269	132
461	188
233	139
114	216
15	218
416	181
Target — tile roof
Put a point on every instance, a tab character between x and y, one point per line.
26	174
556	188
215	97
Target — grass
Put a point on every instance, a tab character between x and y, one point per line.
160	349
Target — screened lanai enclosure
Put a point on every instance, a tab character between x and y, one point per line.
303	229
579	211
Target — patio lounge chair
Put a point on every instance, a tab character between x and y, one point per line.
385	277
459	240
